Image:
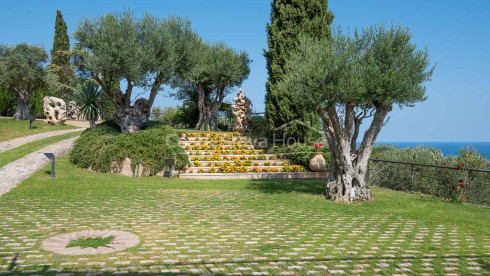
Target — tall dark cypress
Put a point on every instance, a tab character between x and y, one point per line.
289	19
61	43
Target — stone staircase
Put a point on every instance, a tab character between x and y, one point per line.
230	155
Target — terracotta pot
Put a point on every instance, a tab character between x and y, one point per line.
317	163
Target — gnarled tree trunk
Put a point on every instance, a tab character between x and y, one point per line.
132	118
345	182
348	167
208	109
22	110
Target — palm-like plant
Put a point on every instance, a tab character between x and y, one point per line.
88	98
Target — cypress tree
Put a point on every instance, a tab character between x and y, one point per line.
290	19
61	43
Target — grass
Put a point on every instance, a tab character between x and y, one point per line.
86	242
239	226
19	152
10	129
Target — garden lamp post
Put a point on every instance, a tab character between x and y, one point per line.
31	119
50	156
170	163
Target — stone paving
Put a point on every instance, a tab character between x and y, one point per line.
221	232
122	240
17	142
17	171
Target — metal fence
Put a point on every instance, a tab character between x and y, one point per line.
439	181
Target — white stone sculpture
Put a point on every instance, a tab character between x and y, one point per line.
242	111
55	110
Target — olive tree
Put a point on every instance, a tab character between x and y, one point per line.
118	50
22	71
349	79
216	70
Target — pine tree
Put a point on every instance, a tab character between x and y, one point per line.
290	19
61	43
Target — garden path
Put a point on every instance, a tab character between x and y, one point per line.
15	172
17	142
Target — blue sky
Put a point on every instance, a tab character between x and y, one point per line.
455	32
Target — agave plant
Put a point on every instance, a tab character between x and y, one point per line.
88	98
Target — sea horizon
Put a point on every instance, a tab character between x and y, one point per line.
447	148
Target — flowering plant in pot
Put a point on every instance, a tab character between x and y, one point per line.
317	162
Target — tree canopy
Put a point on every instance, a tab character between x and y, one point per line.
118	48
216	70
289	20
348	79
22	71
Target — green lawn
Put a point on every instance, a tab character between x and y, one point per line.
10	129
19	152
240	226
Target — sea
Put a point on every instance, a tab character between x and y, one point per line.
447	148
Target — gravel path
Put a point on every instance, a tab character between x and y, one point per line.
17	171
17	142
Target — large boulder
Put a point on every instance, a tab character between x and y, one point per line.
54	110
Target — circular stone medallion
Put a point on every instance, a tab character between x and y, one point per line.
121	241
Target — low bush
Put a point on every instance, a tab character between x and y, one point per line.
99	148
451	178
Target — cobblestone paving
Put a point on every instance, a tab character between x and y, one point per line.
220	232
15	172
17	142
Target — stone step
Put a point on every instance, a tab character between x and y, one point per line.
271	158
246	141
277	162
226	152
248	167
235	138
211	148
278	175
183	145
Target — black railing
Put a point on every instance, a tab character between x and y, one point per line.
435	180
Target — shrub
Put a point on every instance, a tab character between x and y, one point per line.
436	181
301	154
99	147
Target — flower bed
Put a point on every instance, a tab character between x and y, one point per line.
213	152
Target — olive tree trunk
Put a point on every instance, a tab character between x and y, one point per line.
22	110
348	167
208	110
132	118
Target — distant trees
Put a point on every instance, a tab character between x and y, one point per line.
348	79
290	19
22	71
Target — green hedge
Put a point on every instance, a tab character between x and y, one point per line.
99	147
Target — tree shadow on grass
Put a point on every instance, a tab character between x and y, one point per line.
278	186
204	267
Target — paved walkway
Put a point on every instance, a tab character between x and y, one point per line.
17	142
17	171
